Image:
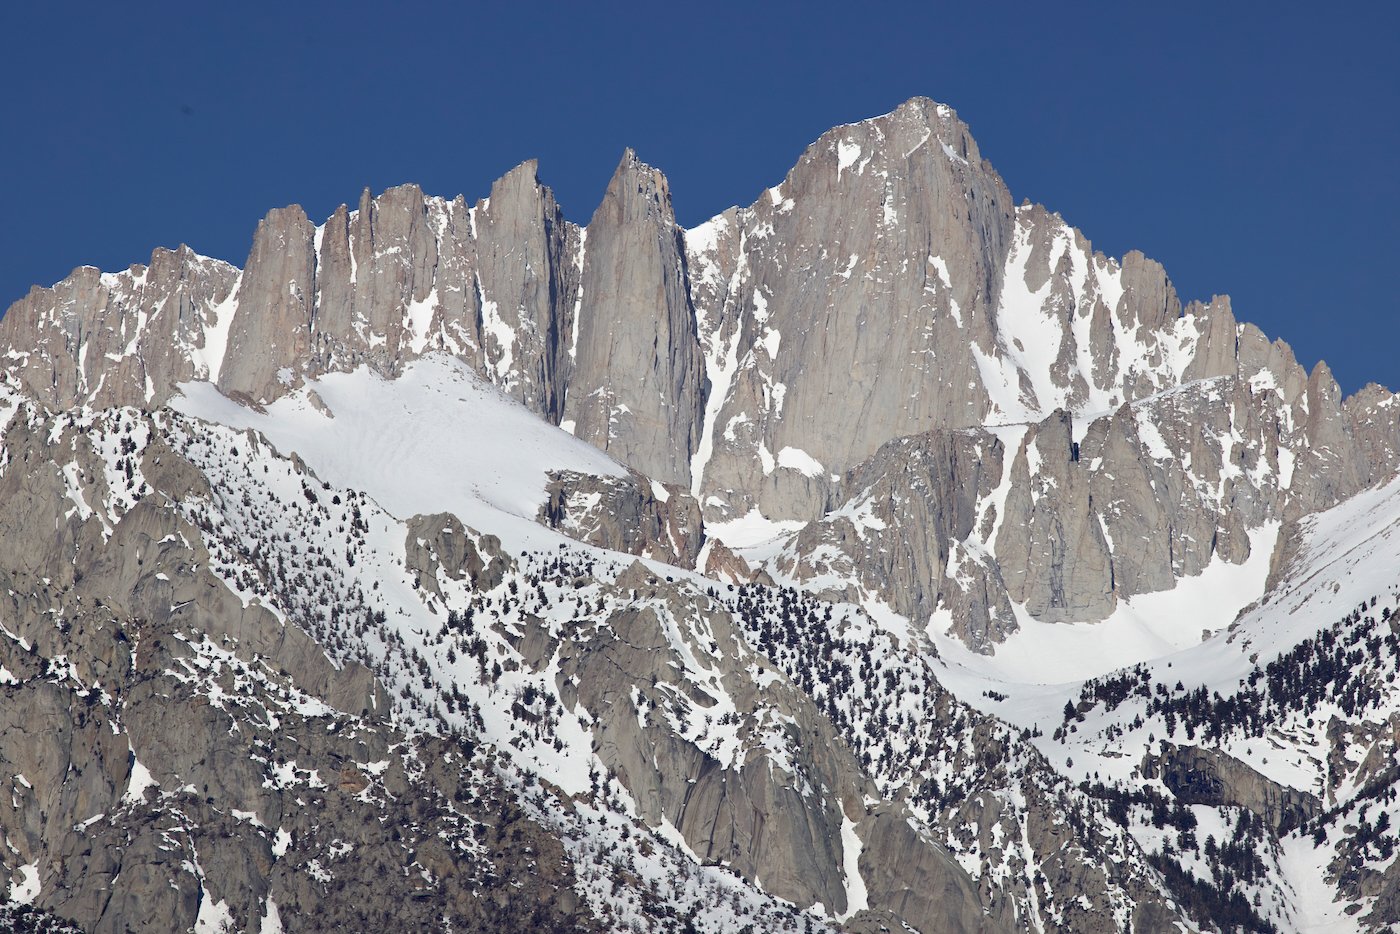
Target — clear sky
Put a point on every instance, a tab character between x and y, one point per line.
1251	147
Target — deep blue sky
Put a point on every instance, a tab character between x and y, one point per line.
1250	147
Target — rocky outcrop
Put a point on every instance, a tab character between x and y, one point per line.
629	514
751	777
271	329
441	544
122	338
845	262
1199	775
913	882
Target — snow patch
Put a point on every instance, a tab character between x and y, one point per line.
857	899
846	155
800	461
140	780
27	889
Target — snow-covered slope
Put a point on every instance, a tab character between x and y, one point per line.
438	438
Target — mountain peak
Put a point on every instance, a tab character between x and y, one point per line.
635	189
915	426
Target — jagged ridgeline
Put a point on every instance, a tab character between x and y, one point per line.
874	556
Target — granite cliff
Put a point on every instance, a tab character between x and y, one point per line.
876	554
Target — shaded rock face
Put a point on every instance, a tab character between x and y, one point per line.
1208	776
441	544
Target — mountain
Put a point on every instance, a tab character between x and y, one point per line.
875	555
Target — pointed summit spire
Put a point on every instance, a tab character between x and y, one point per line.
640	373
636	191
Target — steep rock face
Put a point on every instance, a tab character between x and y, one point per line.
847	262
910	880
932	303
271	329
375	264
1103	509
639	378
1374	414
529	262
403	274
493	284
121	338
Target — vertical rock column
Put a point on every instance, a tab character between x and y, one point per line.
638	390
272	328
527	285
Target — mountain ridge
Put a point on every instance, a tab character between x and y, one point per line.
823	566
745	358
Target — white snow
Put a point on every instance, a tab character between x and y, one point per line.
721	356
214	917
1151	435
578	299
800	461
940	267
847	153
436	439
765	459
140	780
210	353
27	889
1030	339
1142	628
420	320
503	334
271	920
770	341
1305	869
751	529
857	898
703	239
860	511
